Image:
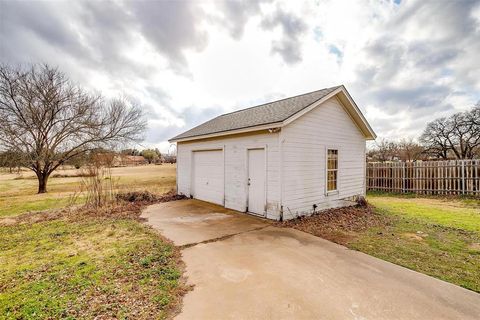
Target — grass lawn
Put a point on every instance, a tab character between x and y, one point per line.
82	269
85	266
435	236
18	193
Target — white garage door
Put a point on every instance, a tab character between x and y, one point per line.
208	176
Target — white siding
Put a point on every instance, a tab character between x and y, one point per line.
235	154
304	144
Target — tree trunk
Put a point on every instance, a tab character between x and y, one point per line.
42	182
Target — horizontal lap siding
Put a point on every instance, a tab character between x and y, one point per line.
304	144
235	168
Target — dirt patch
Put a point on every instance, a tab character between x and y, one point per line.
474	246
339	225
412	236
7	222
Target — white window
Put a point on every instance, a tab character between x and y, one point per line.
332	170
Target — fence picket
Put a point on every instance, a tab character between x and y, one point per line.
425	177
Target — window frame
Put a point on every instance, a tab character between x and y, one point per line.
327	170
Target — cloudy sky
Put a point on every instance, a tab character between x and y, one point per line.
404	62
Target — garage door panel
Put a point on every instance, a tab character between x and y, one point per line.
208	178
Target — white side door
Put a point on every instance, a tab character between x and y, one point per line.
256	181
208	176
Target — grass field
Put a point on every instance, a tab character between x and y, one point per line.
435	236
18	192
85	267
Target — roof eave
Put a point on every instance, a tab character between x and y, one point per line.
229	132
363	123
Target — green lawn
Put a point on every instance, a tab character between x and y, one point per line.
80	269
85	266
435	236
463	214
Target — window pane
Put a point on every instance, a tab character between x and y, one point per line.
332	180
332	152
332	164
332	185
331	175
332	167
332	159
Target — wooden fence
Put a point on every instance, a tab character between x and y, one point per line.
425	177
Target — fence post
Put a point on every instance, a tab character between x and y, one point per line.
463	176
403	177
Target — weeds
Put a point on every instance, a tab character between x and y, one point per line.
98	186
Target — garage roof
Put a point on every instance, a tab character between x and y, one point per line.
261	115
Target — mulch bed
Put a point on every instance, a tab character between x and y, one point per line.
339	225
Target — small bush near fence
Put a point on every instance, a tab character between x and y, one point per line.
425	177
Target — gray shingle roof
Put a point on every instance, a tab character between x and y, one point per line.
267	113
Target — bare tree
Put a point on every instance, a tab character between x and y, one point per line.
50	120
409	150
473	120
436	138
384	150
458	135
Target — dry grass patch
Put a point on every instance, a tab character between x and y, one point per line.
19	196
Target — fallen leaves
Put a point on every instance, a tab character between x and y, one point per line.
338	225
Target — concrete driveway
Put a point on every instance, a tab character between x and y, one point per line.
244	268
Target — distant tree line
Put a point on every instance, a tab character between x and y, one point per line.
453	137
13	161
151	155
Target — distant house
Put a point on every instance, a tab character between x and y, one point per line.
122	160
280	159
169	159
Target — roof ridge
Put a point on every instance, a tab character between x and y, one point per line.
260	105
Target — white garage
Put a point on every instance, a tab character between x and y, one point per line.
208	176
279	160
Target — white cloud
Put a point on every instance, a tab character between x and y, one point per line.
185	62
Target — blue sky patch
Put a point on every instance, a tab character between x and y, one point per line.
317	34
334	49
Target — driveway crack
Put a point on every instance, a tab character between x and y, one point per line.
188	245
